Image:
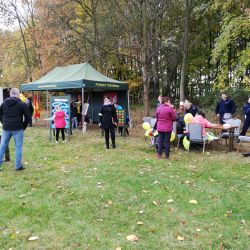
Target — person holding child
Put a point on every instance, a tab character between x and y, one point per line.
165	116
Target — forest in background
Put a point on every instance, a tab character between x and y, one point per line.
181	48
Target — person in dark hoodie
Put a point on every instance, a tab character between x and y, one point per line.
225	107
31	109
246	111
190	108
108	120
15	116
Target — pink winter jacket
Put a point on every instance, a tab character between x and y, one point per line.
59	119
198	119
165	117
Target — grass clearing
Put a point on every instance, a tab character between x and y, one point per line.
77	195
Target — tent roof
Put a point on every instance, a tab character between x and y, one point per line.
74	77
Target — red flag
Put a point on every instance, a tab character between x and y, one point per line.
36	104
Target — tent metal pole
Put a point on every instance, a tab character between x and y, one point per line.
83	119
47	115
47	105
92	105
128	106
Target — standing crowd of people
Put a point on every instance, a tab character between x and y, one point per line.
16	115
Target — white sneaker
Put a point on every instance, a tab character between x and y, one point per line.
63	141
56	142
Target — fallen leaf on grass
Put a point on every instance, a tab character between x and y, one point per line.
132	238
156	203
198	230
118	248
193	202
170	201
211	179
156	182
243	222
141	212
180	238
171	210
145	191
13	236
33	238
140	223
228	213
22	195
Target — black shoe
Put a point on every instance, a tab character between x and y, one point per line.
20	168
113	146
246	154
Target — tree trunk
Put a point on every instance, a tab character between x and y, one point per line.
145	61
185	50
26	53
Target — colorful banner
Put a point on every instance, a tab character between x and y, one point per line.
64	103
112	96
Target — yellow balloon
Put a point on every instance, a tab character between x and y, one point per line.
172	136
146	125
188	118
186	143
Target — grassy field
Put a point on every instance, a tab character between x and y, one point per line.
78	195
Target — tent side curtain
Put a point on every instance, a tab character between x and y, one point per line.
87	84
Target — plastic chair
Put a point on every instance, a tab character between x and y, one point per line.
243	139
232	122
147	119
179	136
195	135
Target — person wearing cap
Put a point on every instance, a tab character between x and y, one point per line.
15	116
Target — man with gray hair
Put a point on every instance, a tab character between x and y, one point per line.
15	116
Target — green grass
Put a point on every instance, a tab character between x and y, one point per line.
79	196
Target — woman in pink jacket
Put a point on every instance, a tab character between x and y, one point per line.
165	116
59	122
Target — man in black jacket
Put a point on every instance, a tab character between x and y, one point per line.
225	106
108	120
15	116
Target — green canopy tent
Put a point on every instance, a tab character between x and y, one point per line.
85	77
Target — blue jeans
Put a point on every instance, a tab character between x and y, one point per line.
18	139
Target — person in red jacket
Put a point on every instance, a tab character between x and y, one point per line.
165	116
59	122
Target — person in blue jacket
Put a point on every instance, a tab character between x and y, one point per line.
225	106
246	111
